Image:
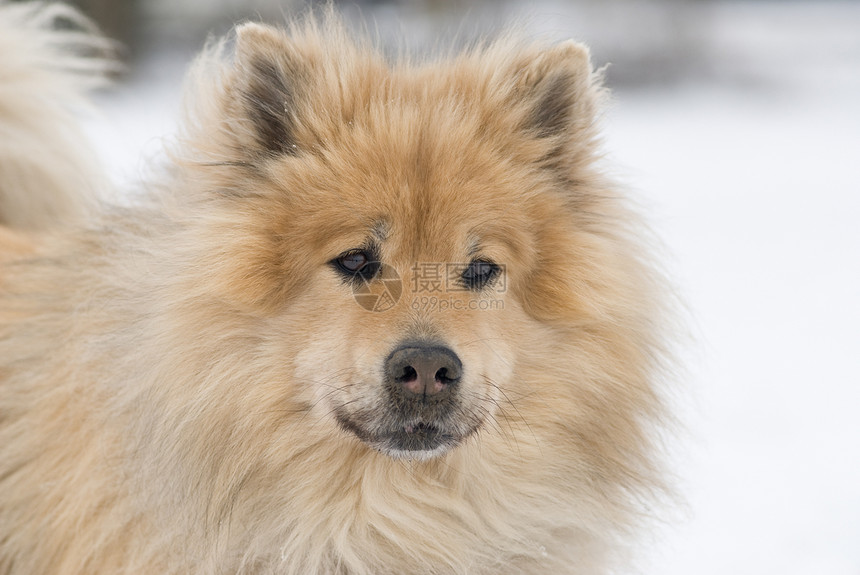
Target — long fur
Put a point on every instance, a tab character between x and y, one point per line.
47	169
171	372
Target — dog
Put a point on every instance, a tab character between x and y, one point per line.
377	315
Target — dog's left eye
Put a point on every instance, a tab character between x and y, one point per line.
479	273
356	263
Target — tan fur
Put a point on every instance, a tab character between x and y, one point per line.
47	167
170	374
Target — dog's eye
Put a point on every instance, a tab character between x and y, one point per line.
479	273
356	263
353	262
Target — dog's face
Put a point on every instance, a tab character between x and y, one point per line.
407	326
405	234
409	334
414	352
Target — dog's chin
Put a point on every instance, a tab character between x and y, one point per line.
416	441
419	441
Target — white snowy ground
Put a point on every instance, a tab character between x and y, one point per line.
759	201
757	194
755	188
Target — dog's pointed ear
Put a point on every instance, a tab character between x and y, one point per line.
563	93
268	74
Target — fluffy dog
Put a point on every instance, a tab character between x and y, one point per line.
379	316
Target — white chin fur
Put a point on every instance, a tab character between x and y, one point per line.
414	455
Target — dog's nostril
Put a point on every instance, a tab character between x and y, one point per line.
408	374
442	376
422	369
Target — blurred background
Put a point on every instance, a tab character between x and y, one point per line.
736	127
647	41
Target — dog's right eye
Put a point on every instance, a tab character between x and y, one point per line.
352	262
356	263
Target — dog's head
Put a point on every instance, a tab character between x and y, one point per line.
412	240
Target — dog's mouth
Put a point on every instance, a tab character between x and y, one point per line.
420	436
420	440
413	440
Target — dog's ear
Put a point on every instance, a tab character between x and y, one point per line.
268	75
563	94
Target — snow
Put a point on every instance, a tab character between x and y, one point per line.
752	179
758	201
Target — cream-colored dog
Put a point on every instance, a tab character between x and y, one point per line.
378	317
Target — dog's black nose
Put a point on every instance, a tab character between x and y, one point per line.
423	370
